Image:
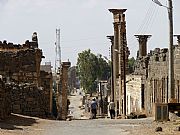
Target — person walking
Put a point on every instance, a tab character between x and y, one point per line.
112	109
93	108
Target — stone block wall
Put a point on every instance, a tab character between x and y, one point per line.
28	99
22	65
156	77
4	102
46	82
134	94
24	90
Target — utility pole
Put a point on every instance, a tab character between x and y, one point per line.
171	90
171	54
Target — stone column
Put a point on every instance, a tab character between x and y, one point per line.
117	14
124	54
112	77
142	44
62	92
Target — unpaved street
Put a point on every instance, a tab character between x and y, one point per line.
23	125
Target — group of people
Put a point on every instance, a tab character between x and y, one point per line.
94	106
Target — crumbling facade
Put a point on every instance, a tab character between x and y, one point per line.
27	89
153	68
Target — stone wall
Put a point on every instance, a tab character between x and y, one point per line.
28	99
46	82
134	95
154	70
4	102
20	64
24	90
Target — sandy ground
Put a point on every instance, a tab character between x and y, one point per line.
24	125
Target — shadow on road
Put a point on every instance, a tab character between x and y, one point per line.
13	121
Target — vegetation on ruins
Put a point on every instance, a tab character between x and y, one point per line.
90	69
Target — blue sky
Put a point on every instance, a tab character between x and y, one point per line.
84	24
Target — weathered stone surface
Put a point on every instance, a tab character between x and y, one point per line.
154	71
20	90
62	105
4	102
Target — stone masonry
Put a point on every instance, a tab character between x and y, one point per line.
4	102
28	99
62	91
28	90
154	70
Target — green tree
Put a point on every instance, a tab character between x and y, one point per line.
103	68
131	63
90	68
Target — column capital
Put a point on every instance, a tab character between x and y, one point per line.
111	38
117	13
142	44
142	38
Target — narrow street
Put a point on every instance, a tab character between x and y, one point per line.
23	125
75	103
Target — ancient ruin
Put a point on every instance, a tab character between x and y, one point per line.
24	88
120	55
62	91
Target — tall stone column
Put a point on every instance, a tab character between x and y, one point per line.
142	44
117	14
112	77
123	64
62	92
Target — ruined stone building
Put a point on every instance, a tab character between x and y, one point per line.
27	89
137	92
151	76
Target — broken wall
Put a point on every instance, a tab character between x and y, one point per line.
154	71
20	70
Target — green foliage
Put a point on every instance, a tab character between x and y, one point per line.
131	63
90	68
